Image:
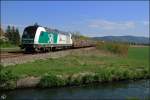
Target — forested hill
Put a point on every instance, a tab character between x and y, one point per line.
128	39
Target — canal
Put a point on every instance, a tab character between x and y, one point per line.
123	90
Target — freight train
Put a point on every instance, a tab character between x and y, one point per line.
38	38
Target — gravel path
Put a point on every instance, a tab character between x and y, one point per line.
33	57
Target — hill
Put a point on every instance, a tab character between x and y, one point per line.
127	39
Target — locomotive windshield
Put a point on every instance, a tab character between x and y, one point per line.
29	32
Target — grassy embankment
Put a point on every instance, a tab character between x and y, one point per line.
82	68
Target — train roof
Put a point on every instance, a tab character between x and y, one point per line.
57	31
31	27
49	29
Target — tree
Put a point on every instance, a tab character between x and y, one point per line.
1	36
8	34
17	36
1	32
12	34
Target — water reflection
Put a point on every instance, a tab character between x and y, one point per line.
116	90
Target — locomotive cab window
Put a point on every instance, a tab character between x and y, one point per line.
29	32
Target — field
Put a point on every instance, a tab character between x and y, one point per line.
91	61
93	66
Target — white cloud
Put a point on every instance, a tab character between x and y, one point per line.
110	25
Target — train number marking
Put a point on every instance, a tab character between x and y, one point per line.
50	38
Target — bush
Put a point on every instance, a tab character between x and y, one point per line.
51	80
7	79
74	79
87	79
117	48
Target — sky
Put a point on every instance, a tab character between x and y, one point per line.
90	18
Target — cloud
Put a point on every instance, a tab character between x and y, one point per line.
110	25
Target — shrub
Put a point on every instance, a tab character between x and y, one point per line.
51	80
74	79
103	75
117	48
7	79
87	79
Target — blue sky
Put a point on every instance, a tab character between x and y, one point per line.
91	18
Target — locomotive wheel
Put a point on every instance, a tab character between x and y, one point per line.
42	49
48	49
53	48
29	50
37	50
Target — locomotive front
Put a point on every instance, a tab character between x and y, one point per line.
37	38
28	38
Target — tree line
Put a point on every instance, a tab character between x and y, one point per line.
11	35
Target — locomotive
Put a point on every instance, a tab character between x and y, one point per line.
38	38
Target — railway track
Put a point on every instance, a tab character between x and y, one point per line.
14	54
10	55
19	58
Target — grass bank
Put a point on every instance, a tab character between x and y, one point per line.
86	67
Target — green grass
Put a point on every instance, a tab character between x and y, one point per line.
6	44
139	53
106	67
137	58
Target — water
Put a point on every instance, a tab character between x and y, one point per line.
116	90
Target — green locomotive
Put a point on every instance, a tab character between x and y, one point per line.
37	38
